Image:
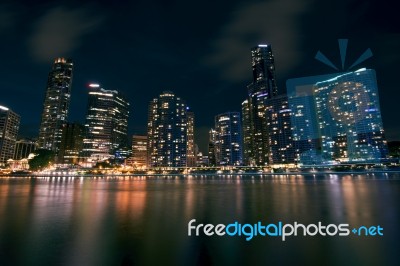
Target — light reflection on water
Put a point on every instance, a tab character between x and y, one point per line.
143	220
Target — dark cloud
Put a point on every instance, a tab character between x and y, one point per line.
275	22
60	31
8	16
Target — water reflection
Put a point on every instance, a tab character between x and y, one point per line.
143	219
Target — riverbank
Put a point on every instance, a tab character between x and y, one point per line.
53	174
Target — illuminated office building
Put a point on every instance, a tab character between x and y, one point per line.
262	88
212	160
228	144
349	118
9	126
280	142
106	123
246	134
167	131
191	153
56	104
71	144
305	130
139	152
305	134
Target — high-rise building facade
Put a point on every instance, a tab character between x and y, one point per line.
24	147
106	123
167	131
280	142
305	129
212	160
262	88
228	144
263	66
247	133
305	134
349	118
56	104
191	152
71	145
139	151
9	126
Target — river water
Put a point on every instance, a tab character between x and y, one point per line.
143	220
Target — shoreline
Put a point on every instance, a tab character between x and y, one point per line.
201	174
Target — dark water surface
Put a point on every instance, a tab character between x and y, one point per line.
144	220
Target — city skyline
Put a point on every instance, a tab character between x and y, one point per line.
201	60
59	92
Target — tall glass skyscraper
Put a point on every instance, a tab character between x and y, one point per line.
305	134
228	144
191	153
56	104
246	133
263	66
106	123
9	126
212	139
139	152
71	143
349	118
305	130
167	131
280	140
262	88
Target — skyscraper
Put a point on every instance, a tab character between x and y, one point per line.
263	66
56	104
305	131
280	140
167	131
9	126
71	144
191	153
139	152
212	161
228	144
349	118
246	133
305	134
262	88
106	123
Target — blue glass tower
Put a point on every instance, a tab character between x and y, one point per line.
167	131
228	143
349	118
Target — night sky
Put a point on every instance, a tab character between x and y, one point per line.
199	50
